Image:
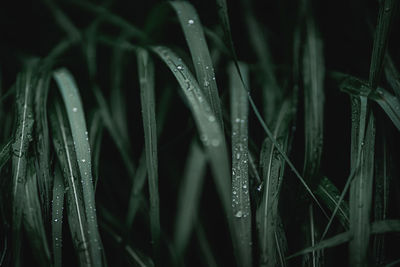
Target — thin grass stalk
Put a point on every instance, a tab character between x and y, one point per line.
57	217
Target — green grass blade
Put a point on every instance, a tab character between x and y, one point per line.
33	221
209	258
63	144
146	78
5	153
386	14
330	195
74	108
240	170
392	75
95	138
268	217
385	226
196	41
313	79
361	187
210	132
57	217
189	197
20	147
42	141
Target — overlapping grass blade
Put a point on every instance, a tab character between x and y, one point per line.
33	221
223	14
313	79
240	170
191	25
386	14
271	236
392	75
74	108
209	258
362	154
63	144
146	78
95	138
42	142
189	197
210	132
20	146
57	216
329	194
5	153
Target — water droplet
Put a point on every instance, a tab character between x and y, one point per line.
179	67
237	120
244	186
206	83
239	214
234	192
237	155
190	22
211	118
74	109
56	220
83	160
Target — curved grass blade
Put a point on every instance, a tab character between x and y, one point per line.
75	208
313	79
223	14
196	41
330	195
146	78
57	217
272	247
189	197
240	170
210	132
74	108
33	221
386	14
20	146
42	144
361	187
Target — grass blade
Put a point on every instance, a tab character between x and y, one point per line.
196	41
146	78
313	78
361	187
386	14
33	221
189	197
210	132
5	153
74	108
95	138
57	217
392	75
75	208
268	217
240	170
20	147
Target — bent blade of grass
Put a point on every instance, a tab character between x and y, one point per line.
33	221
75	208
189	197
313	78
361	187
74	108
240	170
20	147
223	14
386	14
273	168
146	78
42	146
196	41
329	194
57	217
211	134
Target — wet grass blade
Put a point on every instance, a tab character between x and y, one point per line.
196	41
386	14
63	144
329	194
57	217
313	79
240	170
362	153
74	108
33	221
42	141
20	146
146	78
268	218
209	129
189	197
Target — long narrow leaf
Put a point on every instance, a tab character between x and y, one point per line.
57	217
